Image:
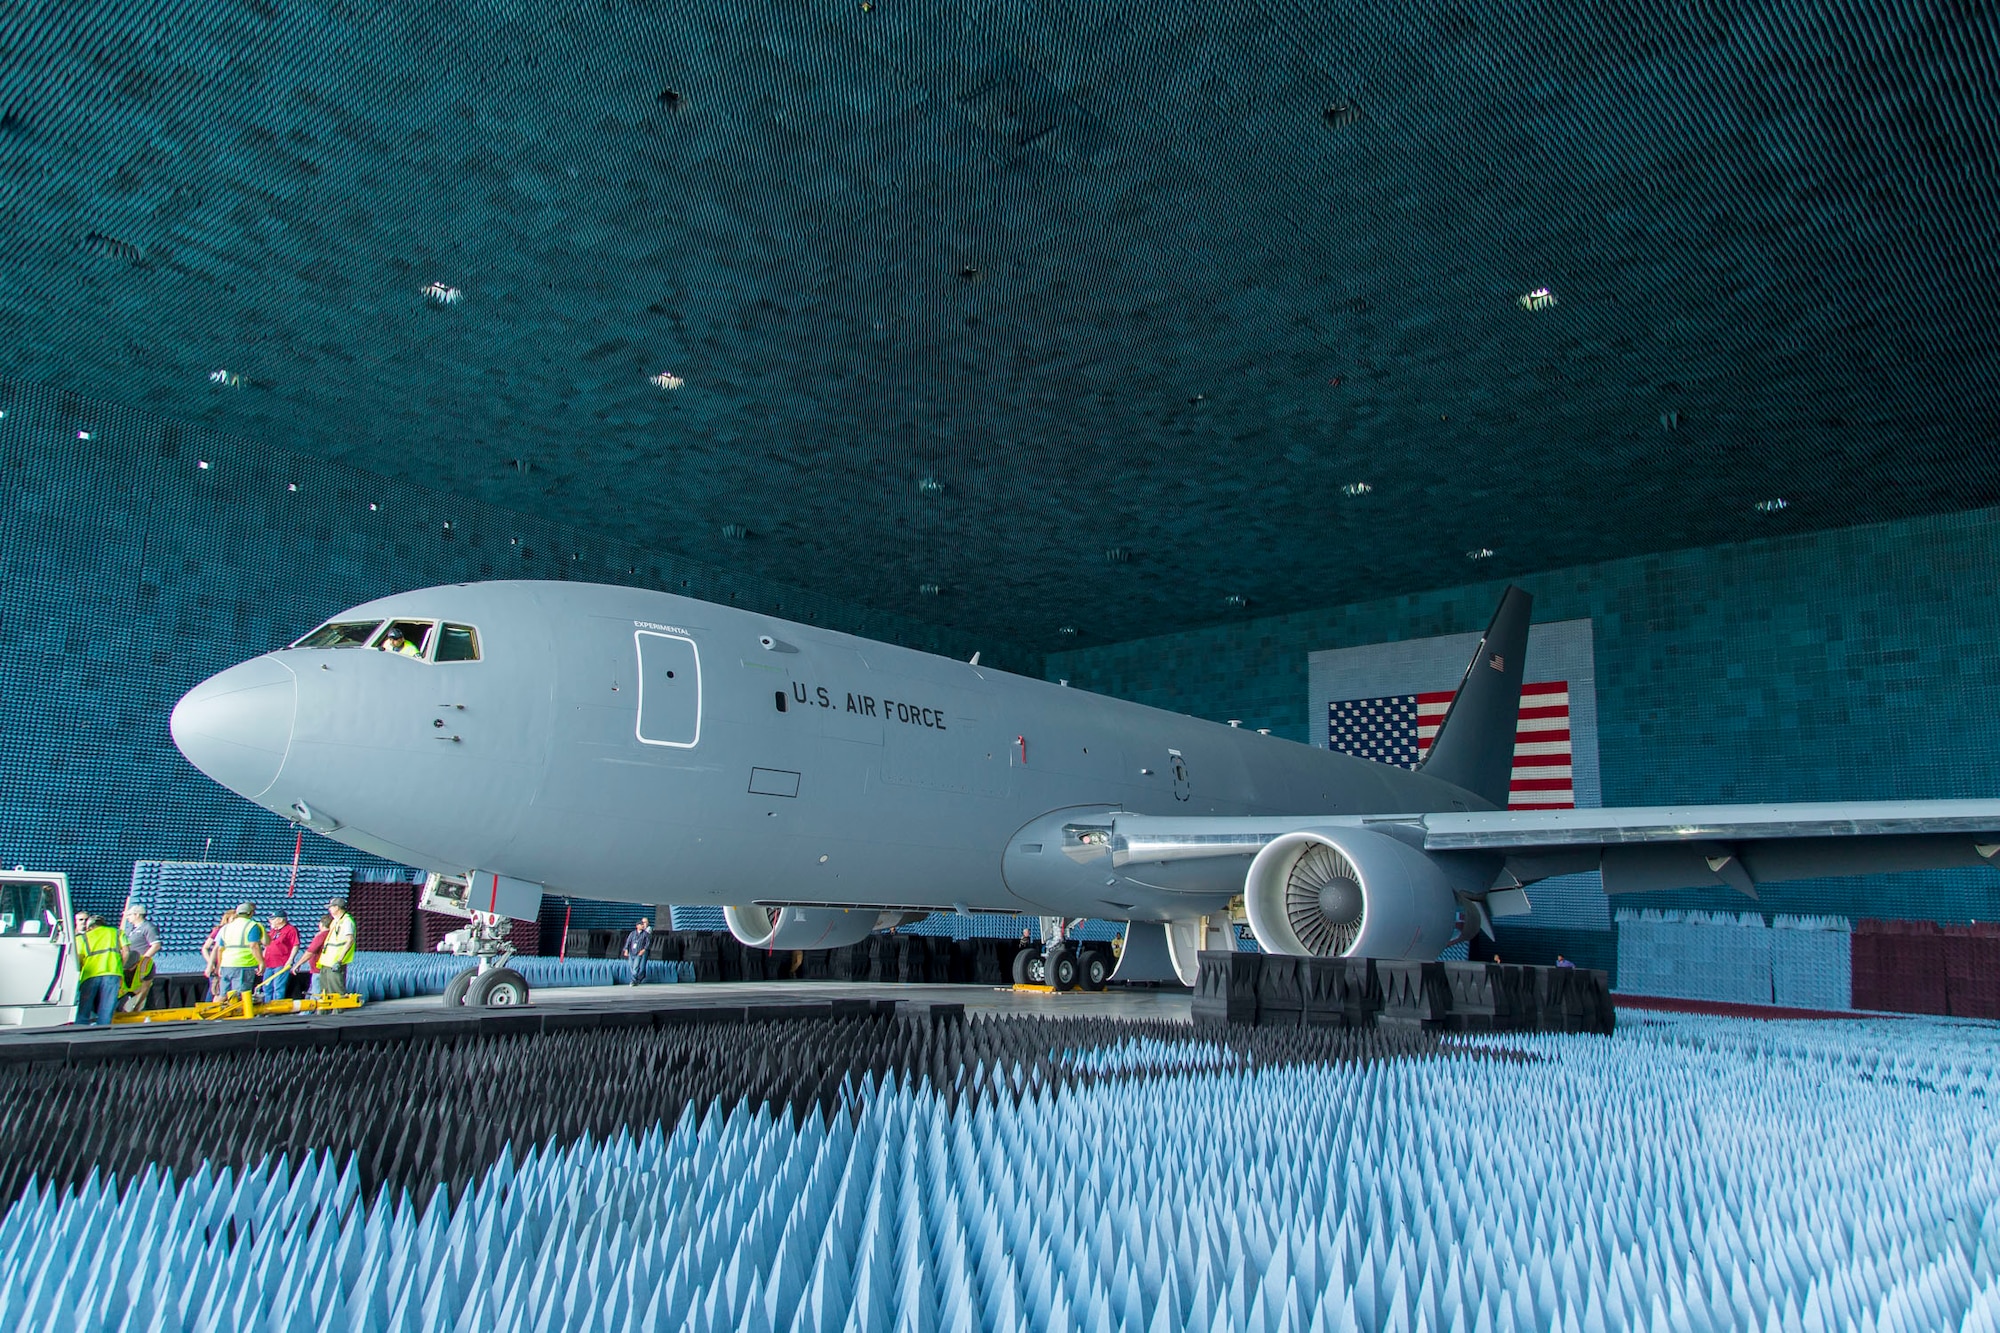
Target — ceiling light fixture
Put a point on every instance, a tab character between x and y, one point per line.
931	486
1771	506
736	532
1670	420
1539	299
1236	599
666	379
438	293
1482	553
83	435
292	486
1341	113
228	379
1067	629
1356	488
202	464
930	589
1116	555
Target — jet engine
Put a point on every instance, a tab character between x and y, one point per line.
1329	892
810	927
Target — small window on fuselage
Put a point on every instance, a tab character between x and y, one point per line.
407	638
458	643
340	634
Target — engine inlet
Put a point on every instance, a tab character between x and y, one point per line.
1324	904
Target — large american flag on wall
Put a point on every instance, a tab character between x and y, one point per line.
1398	729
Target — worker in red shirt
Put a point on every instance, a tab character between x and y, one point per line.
309	960
279	949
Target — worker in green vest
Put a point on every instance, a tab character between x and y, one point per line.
338	950
240	950
100	966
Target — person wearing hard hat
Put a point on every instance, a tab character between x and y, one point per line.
100	966
240	950
338	950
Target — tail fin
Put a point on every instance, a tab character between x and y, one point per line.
1474	747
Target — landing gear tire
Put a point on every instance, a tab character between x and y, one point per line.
1038	968
502	988
1062	969
1021	966
455	989
1095	970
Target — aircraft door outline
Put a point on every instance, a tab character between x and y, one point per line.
1181	792
669	720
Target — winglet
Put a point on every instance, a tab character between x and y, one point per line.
1474	748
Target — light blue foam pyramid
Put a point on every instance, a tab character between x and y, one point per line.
1690	1174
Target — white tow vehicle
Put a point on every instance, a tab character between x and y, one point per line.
37	951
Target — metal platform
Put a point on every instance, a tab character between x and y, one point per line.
580	1007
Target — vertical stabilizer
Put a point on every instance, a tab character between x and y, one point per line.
1474	747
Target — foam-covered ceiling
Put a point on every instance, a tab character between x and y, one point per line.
1141	290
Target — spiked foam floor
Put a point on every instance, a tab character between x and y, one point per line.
1689	1173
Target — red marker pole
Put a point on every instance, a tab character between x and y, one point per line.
1022	741
297	846
562	950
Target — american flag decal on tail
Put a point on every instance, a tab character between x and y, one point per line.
1398	729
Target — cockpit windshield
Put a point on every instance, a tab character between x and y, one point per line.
458	643
407	638
423	640
340	634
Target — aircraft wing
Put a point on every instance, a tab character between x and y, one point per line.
1638	848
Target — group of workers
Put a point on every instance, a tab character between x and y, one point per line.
242	954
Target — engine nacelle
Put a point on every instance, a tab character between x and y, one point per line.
1347	891
810	927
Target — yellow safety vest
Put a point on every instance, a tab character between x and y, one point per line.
100	953
338	950
238	947
142	972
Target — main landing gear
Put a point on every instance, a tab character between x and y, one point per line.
1063	964
490	983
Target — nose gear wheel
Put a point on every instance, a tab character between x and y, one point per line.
1318	868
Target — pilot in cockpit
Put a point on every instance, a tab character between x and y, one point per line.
395	642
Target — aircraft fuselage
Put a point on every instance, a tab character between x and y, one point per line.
624	744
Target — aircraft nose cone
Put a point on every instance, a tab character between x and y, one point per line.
237	725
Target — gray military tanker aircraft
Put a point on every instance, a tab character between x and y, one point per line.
517	738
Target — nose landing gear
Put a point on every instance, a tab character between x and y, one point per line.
490	984
485	936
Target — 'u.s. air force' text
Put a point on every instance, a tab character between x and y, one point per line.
891	710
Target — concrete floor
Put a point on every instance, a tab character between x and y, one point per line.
573	1007
1128	1004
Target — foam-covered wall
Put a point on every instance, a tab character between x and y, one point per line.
129	571
1856	663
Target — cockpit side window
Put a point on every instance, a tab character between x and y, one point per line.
458	643
407	638
340	634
